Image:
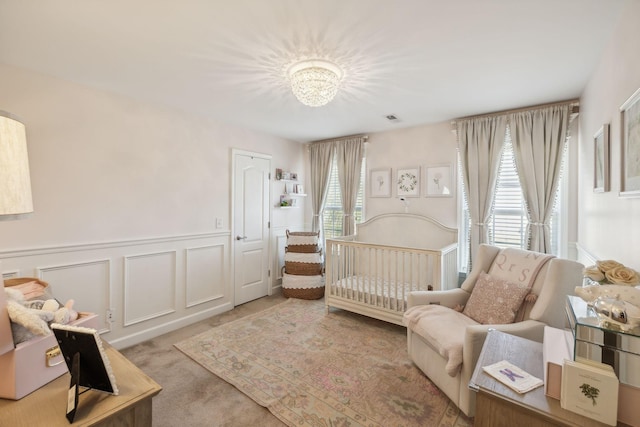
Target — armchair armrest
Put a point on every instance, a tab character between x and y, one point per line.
449	298
476	334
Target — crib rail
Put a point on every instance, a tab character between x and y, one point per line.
375	280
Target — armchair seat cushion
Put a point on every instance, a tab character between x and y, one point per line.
443	329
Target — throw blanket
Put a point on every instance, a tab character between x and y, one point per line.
427	321
518	266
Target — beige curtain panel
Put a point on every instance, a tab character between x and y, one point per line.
480	142
539	138
349	153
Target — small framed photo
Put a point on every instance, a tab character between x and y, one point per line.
601	160
408	182
630	132
380	182
439	180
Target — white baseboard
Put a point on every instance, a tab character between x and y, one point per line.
133	339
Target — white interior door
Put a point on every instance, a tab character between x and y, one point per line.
251	226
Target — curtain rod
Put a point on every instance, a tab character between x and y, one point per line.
361	135
574	103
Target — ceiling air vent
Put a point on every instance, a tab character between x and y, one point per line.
392	118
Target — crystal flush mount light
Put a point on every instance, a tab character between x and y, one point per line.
315	82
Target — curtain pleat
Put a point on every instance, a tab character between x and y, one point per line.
538	138
349	154
480	142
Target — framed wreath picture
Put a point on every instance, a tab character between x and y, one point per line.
380	183
408	182
630	120
601	160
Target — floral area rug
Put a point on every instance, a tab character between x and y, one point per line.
310	368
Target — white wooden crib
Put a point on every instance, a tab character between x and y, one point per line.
373	271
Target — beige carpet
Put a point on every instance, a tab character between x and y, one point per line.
313	369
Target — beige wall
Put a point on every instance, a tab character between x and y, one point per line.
105	167
609	226
406	148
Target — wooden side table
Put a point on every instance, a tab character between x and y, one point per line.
497	405
47	405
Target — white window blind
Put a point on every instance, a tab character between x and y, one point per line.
333	213
509	217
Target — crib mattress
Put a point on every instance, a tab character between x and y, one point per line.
375	291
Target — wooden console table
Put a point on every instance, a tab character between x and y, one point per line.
47	405
499	406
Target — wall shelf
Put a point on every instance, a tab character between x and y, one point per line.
291	191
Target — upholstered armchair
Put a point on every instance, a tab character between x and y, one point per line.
446	329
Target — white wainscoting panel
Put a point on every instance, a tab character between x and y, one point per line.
205	274
10	274
278	245
583	256
281	246
88	283
149	286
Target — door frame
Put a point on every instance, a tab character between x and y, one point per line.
234	153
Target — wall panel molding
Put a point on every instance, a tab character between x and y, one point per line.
584	256
107	245
205	274
149	286
87	281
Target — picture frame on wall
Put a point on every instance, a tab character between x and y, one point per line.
601	160
380	182
439	180
630	146
408	182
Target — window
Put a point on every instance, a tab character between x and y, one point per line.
333	213
508	222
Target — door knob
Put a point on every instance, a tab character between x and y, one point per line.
241	238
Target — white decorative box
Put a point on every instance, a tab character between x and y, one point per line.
31	364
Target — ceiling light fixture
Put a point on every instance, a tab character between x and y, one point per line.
315	82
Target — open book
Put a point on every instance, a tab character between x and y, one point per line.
512	376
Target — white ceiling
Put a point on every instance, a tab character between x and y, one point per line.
425	61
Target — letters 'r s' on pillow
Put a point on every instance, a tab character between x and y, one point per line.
494	301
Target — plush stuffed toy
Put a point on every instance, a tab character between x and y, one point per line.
31	318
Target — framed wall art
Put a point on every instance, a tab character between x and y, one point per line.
439	180
630	149
408	182
380	182
601	160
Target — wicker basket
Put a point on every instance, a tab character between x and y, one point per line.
303	249
303	268
313	293
303	241
303	264
303	287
